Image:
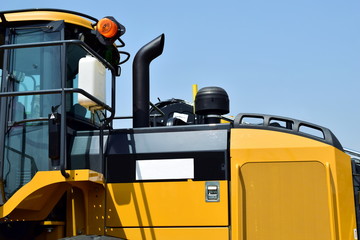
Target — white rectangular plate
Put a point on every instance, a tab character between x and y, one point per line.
159	169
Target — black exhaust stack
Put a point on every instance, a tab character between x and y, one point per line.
141	81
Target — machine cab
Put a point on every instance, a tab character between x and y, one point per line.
41	103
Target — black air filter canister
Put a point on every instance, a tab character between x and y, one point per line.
212	102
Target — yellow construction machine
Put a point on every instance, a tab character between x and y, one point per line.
184	171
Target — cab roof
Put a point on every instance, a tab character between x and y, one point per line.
48	15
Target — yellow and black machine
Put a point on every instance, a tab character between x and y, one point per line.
182	172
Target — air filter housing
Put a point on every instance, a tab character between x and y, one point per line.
212	102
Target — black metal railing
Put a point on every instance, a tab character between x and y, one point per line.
63	91
288	125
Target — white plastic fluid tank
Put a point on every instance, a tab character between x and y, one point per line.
92	78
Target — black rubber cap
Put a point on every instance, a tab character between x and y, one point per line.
211	100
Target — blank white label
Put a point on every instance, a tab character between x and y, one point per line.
165	169
181	116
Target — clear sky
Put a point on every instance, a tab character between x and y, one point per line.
299	59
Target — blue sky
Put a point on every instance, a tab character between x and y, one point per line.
299	59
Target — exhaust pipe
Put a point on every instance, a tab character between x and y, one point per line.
141	81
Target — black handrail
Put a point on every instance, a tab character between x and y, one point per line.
292	126
58	91
64	90
63	120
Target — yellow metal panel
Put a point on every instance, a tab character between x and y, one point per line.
341	178
210	233
164	204
294	176
48	16
34	200
285	200
85	209
95	199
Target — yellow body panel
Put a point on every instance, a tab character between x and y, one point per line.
85	210
286	186
210	233
283	186
164	204
48	16
37	198
42	192
281	198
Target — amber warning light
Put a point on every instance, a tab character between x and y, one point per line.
107	28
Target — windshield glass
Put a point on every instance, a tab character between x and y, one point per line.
33	69
30	69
